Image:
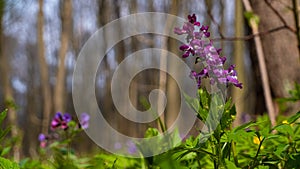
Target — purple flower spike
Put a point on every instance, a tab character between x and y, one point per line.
84	120
205	53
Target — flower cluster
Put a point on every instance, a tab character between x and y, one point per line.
202	48
62	122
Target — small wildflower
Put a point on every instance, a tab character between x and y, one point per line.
61	121
43	140
84	120
117	146
132	149
286	122
42	137
257	140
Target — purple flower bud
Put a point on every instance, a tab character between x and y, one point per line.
219	51
207	34
184	47
192	18
204	28
186	54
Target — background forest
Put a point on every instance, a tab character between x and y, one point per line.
41	39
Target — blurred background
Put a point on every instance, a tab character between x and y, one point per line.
41	39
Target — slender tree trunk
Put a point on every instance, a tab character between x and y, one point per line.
8	92
239	95
66	22
262	66
47	98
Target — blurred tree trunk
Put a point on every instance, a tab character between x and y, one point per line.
280	48
173	92
239	95
104	12
66	23
120	51
7	90
32	123
46	91
162	86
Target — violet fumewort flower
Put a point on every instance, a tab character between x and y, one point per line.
117	146
84	120
42	137
43	140
131	149
202	48
60	121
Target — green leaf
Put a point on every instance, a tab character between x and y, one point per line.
280	148
230	165
239	136
228	104
244	126
228	117
191	142
167	161
193	103
204	98
5	151
293	161
285	128
252	18
175	138
151	132
4	132
263	167
3	115
294	118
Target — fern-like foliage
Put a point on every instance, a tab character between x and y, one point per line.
7	164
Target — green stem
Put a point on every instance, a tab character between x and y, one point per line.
233	146
219	151
258	150
206	152
198	160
